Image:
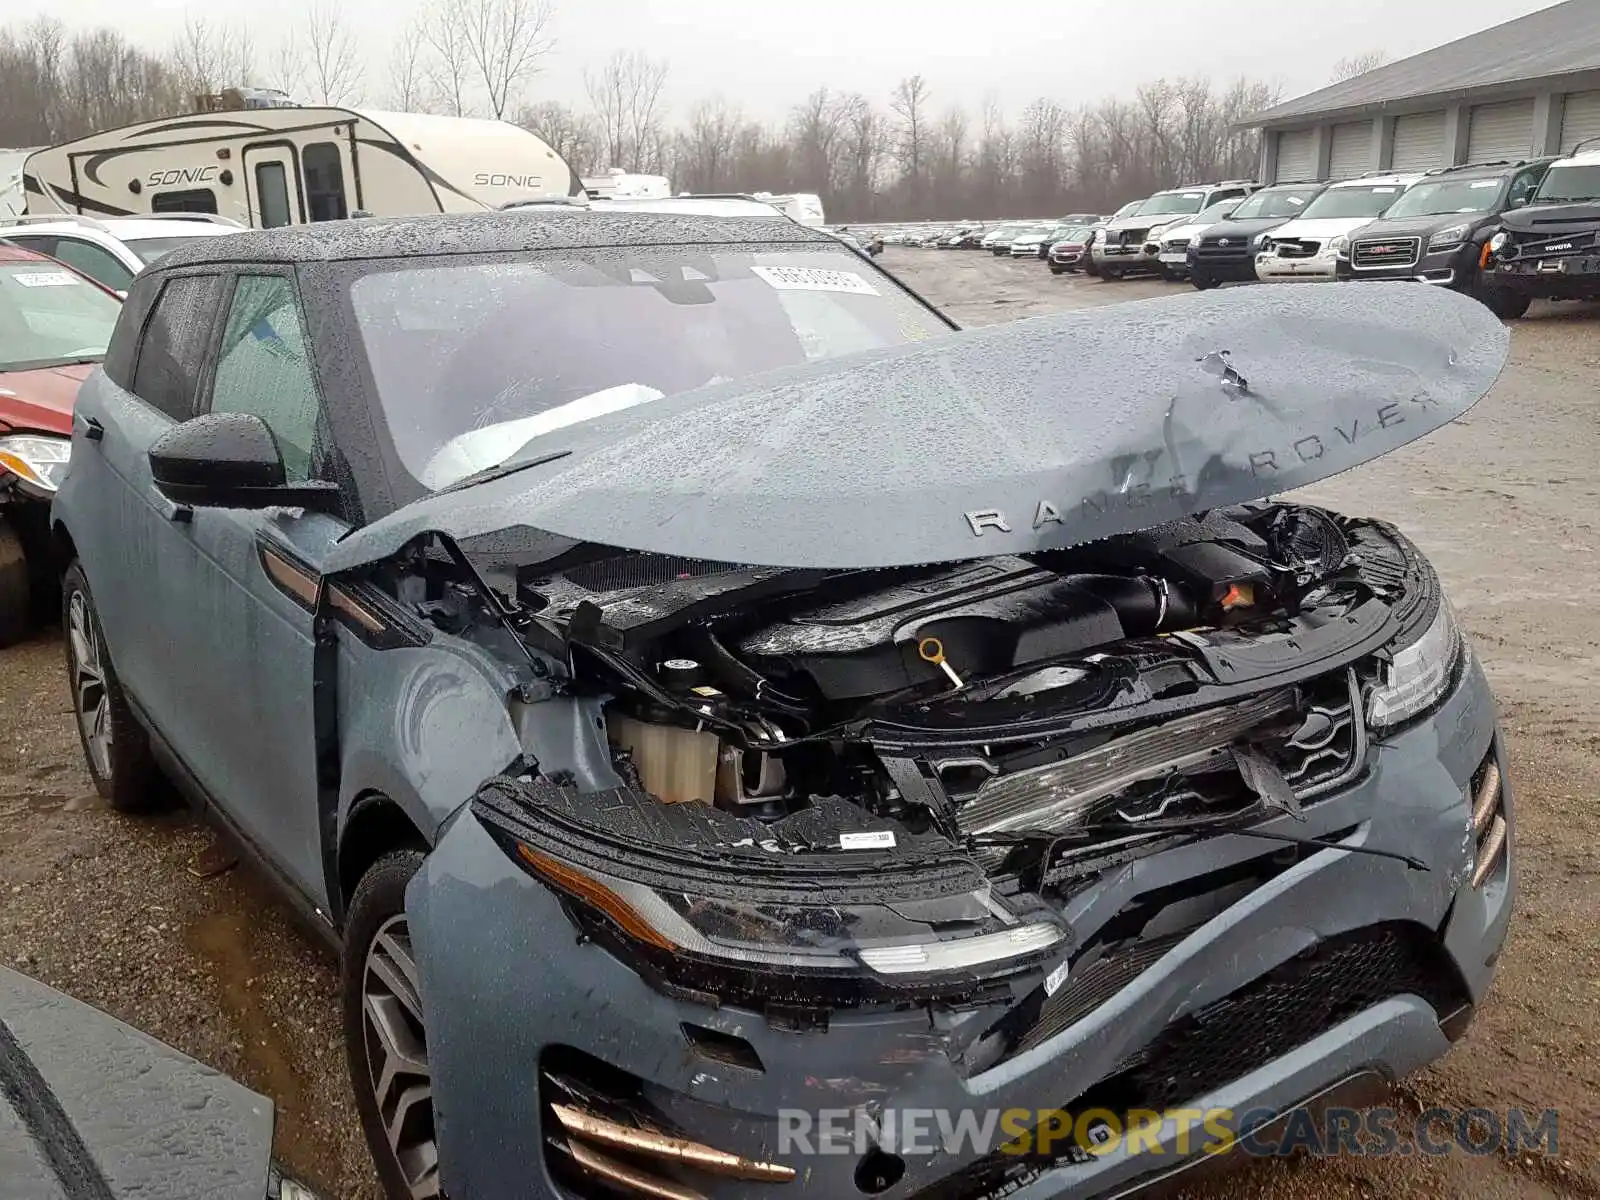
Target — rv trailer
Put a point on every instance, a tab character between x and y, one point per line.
804	208
617	184
273	165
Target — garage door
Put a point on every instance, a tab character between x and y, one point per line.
1500	131
1418	142
1351	150
1580	119
1297	158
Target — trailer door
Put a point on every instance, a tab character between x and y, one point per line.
272	184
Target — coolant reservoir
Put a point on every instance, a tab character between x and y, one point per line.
676	765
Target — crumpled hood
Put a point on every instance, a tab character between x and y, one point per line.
1037	434
41	399
1555	218
1319	228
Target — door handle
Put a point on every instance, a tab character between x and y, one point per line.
93	430
178	514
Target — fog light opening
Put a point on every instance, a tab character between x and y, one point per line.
879	1171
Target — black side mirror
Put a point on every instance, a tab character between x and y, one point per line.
230	460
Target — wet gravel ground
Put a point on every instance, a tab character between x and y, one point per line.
1507	502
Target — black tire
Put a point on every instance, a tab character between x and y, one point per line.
16	587
1110	274
368	971
116	748
1202	283
1168	275
1508	306
1057	270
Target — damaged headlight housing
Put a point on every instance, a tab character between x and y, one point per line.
1419	674
782	930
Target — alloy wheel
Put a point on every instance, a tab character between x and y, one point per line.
91	699
397	1056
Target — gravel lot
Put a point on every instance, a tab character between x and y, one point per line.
108	909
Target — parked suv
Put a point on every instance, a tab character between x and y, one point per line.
503	581
1550	249
1436	231
1171	244
1226	252
112	249
1125	244
1308	247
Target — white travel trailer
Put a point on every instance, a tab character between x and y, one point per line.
11	181
805	208
283	165
617	184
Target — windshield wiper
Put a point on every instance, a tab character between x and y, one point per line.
500	471
1206	827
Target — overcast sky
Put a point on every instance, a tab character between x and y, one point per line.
767	54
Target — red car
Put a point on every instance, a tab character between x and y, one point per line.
55	324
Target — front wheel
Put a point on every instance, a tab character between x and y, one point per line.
1057	270
115	746
386	1039
1508	306
1110	274
1202	283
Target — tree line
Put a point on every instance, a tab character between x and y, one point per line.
914	157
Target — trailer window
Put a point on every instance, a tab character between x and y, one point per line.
324	174
272	189
196	200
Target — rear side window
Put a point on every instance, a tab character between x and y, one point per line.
94	261
195	200
173	349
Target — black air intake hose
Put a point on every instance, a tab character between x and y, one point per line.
1144	604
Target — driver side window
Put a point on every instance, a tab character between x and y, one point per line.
1523	187
263	368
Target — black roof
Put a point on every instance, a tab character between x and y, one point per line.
1486	170
487	233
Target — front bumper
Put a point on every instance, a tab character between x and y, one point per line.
1175	260
1222	265
509	988
1129	258
1321	267
1574	277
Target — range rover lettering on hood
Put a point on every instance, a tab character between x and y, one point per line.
1038	434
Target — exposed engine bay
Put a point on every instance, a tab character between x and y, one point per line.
1195	671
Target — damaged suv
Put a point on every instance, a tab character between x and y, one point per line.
698	689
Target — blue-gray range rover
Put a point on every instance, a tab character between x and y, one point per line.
714	704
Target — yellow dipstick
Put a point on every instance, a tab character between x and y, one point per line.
931	650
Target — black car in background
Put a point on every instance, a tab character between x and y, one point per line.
1437	232
1550	249
1226	253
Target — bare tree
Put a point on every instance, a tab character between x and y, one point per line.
626	94
209	56
408	83
570	134
330	66
449	58
505	41
704	153
909	103
1358	64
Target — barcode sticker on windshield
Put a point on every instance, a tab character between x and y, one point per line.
46	278
814	279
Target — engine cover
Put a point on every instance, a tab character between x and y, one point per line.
988	616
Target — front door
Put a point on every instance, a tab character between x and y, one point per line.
237	618
272	184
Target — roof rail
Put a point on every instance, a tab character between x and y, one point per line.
48	218
209	218
1586	142
554	201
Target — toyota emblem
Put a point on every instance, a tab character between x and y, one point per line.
1222	241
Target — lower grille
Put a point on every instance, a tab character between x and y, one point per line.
1262	1021
1386	252
1281	1011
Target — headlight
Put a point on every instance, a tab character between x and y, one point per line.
1194	239
935	932
1264	241
1339	245
1499	241
1453	236
37	459
1419	673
